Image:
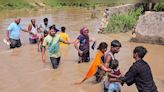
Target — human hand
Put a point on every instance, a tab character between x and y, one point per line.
118	76
80	52
121	80
6	41
109	70
72	41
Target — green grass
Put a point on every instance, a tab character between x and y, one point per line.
124	22
19	4
14	4
85	3
159	7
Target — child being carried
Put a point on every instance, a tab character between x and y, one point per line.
114	86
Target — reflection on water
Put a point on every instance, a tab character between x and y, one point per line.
23	71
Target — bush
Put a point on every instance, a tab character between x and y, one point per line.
124	22
159	7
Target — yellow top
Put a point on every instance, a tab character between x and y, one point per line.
65	37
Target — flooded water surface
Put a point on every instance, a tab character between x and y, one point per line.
21	69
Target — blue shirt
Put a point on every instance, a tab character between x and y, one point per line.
14	31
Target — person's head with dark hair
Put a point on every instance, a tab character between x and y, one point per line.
54	26
114	64
51	27
139	52
115	46
106	9
55	29
115	43
103	47
84	31
17	20
45	20
52	30
45	33
63	29
33	22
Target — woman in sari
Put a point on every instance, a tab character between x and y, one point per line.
97	62
84	46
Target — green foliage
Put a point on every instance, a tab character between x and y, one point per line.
159	7
18	4
14	4
124	22
70	3
84	3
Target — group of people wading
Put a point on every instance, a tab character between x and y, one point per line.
105	67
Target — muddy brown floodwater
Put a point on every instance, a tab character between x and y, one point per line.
21	69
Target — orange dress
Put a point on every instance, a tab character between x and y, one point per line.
96	62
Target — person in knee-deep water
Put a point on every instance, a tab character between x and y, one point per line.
140	73
109	57
45	25
33	32
64	36
52	41
84	46
13	33
97	62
